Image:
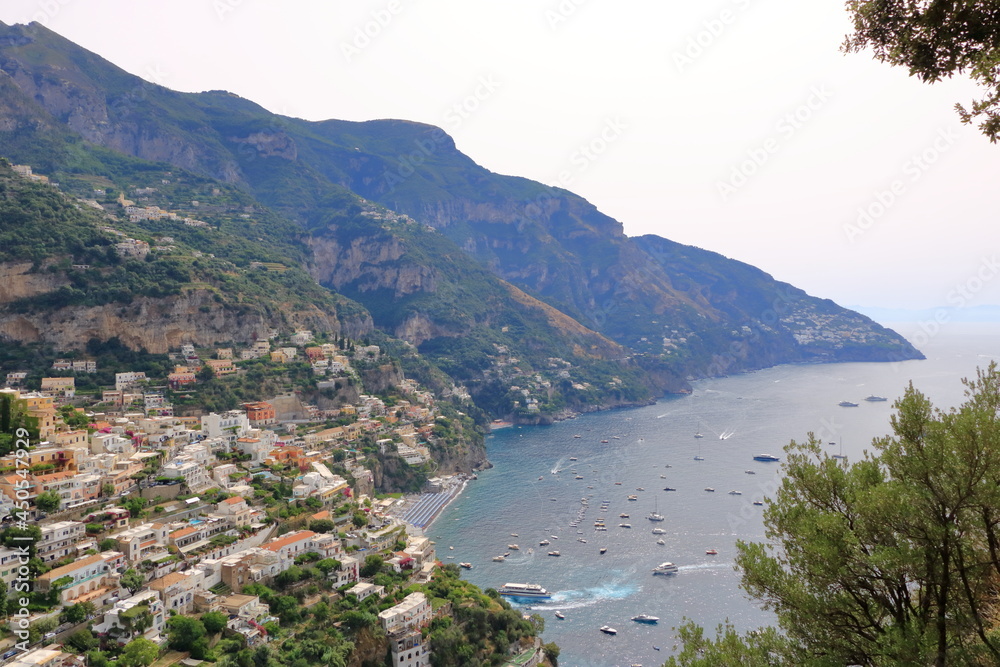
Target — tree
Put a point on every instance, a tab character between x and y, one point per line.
132	580
214	622
893	559
183	632
936	40
107	489
322	526
373	565
75	613
139	652
48	501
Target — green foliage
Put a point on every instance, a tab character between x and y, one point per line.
373	565
184	633
935	41
48	501
214	622
132	580
887	560
139	652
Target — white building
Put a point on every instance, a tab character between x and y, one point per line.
229	425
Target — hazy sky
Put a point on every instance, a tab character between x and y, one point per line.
733	125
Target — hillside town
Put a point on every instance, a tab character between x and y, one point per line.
126	514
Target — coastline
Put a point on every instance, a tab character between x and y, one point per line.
422	510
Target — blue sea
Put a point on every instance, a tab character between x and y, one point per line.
532	493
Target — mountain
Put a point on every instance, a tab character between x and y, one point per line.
527	294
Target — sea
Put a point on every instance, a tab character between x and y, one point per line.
554	482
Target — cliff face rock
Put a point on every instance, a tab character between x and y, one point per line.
270	144
367	265
17	283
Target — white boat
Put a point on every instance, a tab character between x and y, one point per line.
709	489
659	531
608	630
513	547
758	502
560	615
660	541
750	472
735	493
645	618
699	458
624	525
655	514
633	497
554	553
665	568
543	543
467	566
499	559
524	591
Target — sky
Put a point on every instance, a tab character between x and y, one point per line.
737	126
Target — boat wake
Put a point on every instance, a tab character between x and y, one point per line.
587	597
715	565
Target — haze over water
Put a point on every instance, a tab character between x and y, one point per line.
739	416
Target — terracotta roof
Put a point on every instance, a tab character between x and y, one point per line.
291	538
183	531
168	580
232	501
52	575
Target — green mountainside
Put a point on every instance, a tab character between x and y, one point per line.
527	295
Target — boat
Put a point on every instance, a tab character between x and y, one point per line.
560	615
698	435
604	550
633	497
734	492
699	458
554	553
451	547
709	489
841	455
608	630
624	525
655	514
758	502
873	398
467	566
618	483
639	488
663	476
579	477
623	515
660	541
750	472
513	535
573	458
669	488
665	568
580	539
765	457
513	547
711	552
499	559
645	618
659	531
524	591
604	442
543	543
577	436
847	404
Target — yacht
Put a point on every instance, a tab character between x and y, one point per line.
554	553
669	488
735	493
572	458
709	489
699	458
608	630
711	552
513	547
604	550
659	531
467	566
758	502
750	472
645	618
543	543
765	457
847	404
624	525
660	542
655	514
665	568
499	559
698	435
623	515
633	497
560	615
873	398
524	591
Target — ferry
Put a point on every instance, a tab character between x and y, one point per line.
766	457
524	591
665	568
